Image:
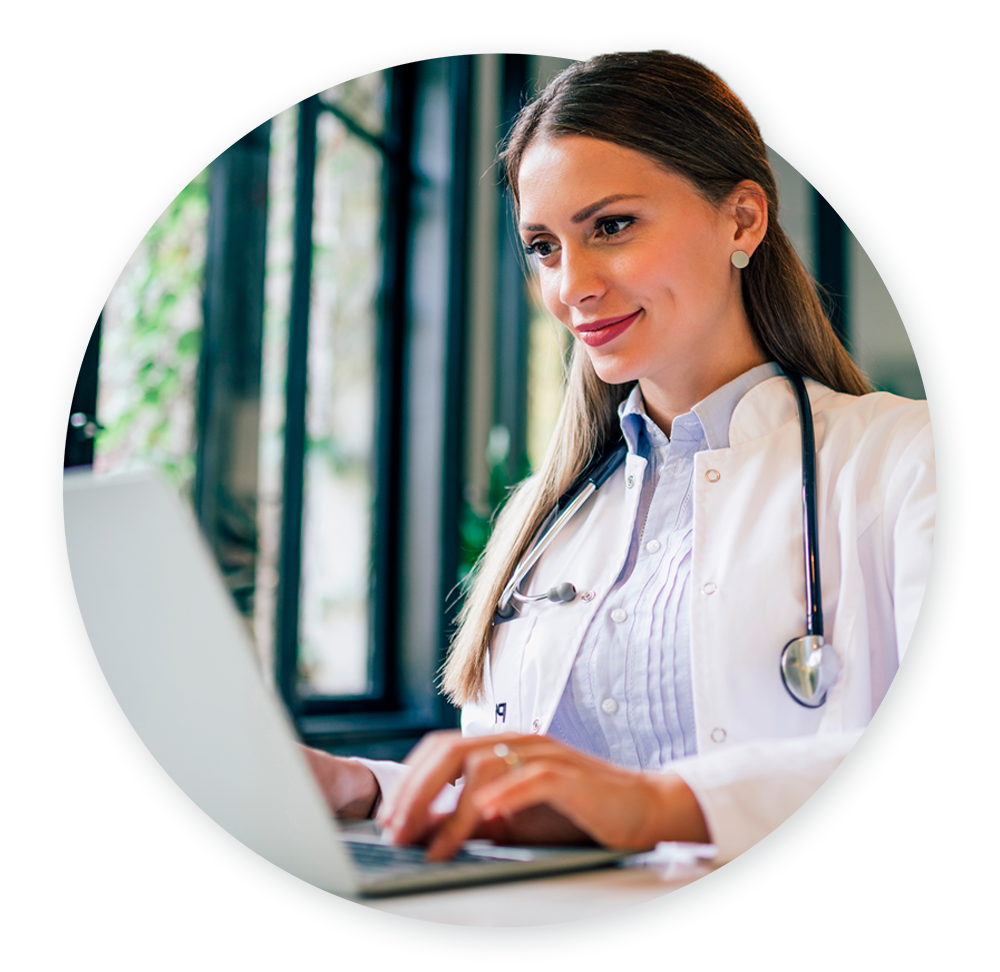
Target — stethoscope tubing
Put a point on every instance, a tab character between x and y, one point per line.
592	480
810	527
569	503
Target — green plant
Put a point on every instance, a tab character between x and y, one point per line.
151	339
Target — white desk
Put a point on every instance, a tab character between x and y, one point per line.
851	894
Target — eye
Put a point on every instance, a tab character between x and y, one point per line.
541	248
608	226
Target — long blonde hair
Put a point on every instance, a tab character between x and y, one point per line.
682	115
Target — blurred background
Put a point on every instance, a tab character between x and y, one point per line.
327	344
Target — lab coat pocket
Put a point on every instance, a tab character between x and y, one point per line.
506	658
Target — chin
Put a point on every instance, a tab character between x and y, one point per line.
612	371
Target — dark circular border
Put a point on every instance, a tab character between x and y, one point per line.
720	889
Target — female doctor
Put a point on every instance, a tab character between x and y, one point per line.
646	702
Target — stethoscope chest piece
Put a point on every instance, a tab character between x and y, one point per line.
809	669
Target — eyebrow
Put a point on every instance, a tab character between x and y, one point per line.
585	213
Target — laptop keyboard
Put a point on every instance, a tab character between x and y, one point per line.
393	857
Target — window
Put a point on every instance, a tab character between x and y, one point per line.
281	347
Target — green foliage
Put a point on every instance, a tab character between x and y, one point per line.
151	340
475	526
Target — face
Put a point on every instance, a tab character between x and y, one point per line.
637	264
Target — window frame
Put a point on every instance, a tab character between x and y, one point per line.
395	711
425	98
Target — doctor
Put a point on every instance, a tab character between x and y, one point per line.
649	706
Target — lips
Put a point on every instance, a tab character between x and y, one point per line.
596	333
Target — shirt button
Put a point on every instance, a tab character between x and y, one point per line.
630	481
709	588
718	734
536	724
618	615
589	596
713	475
610	706
653	546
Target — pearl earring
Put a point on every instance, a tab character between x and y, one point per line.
740	259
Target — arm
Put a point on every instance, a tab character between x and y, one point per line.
552	794
748	790
349	787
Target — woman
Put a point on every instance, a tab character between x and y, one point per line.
650	706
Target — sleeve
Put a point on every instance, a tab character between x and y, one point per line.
748	790
909	526
390	776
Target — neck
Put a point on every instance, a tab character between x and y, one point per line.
668	395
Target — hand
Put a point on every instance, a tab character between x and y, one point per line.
542	792
350	788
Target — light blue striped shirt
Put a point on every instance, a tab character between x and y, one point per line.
628	698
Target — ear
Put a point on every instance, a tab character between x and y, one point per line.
747	210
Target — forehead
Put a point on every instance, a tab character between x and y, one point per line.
576	171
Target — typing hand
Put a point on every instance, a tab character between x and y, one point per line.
532	789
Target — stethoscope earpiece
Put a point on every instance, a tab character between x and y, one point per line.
809	668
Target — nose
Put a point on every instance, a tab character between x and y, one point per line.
580	278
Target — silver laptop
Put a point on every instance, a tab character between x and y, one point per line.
181	664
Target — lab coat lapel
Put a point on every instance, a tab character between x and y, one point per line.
540	656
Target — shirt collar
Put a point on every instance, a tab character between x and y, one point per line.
710	417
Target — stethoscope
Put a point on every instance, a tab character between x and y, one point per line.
807	670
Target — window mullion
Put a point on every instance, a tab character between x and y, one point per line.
290	559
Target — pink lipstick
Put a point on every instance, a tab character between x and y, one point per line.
596	333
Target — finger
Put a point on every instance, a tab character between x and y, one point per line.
435	762
460	825
540	782
439	759
610	808
561	787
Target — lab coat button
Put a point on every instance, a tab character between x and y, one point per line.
653	546
618	615
718	734
610	706
713	475
536	724
709	588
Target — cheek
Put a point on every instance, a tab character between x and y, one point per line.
681	273
549	288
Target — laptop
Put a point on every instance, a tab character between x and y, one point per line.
180	662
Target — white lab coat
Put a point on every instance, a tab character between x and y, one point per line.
760	754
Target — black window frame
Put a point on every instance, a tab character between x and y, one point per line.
392	715
403	703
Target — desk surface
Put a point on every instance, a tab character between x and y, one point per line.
899	893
